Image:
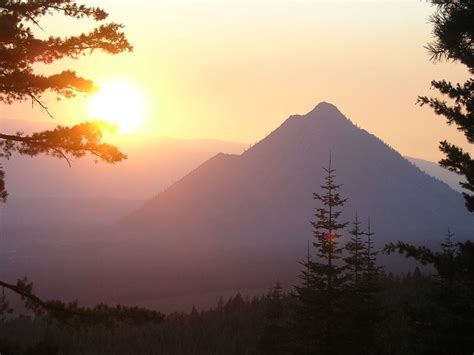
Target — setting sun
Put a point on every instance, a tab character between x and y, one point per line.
119	103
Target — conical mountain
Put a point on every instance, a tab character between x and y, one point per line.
247	217
265	194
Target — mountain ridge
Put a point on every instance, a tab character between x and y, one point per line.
296	137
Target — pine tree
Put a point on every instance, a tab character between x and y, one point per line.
454	37
447	246
355	247
355	263
372	314
361	299
321	302
371	271
448	253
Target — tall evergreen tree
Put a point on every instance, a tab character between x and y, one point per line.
363	307
454	37
322	301
372	313
355	263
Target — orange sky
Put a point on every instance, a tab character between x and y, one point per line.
234	70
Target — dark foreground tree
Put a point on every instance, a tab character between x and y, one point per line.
20	51
320	301
444	323
453	30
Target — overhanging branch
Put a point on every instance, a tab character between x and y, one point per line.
28	140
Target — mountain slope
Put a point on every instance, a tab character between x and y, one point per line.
153	164
89	193
265	194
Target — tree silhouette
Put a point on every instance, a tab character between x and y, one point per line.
454	38
361	298
321	303
21	50
355	247
371	270
445	322
372	313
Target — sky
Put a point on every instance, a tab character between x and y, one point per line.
235	70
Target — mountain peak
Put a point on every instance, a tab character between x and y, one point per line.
325	109
325	119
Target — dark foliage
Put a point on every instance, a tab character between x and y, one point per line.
355	261
320	300
444	323
336	308
237	326
21	50
365	309
71	314
274	337
454	41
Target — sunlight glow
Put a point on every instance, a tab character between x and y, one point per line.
119	103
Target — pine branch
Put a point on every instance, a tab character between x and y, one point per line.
76	141
72	314
62	142
422	254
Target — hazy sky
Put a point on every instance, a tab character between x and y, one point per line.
234	70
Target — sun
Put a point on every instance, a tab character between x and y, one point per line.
119	103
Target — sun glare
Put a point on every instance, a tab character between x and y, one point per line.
119	103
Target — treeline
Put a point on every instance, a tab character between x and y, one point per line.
239	325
